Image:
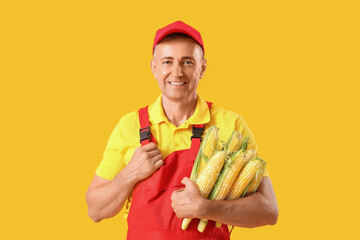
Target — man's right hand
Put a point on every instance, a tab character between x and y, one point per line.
104	200
144	162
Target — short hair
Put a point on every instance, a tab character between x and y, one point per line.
176	36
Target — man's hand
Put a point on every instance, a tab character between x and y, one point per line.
144	162
187	202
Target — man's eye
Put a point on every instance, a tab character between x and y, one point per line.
167	62
188	63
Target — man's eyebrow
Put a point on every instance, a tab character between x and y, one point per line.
171	58
166	58
188	57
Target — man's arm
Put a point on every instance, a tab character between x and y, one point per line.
256	209
106	198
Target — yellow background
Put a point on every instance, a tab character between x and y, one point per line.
70	69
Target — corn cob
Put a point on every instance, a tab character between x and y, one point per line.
228	175
246	175
233	143
206	151
257	179
210	145
208	177
210	142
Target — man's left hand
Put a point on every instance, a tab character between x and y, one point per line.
187	202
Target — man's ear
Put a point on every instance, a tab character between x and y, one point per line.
203	68
153	67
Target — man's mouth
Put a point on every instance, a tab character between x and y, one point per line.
177	83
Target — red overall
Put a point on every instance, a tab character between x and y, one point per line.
151	216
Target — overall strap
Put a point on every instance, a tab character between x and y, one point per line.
196	138
145	134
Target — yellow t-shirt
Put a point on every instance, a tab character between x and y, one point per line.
125	137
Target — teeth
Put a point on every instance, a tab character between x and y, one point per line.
177	84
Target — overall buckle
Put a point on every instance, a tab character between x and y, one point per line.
144	133
197	132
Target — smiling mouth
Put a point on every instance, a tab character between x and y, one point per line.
177	83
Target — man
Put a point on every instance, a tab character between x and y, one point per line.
153	176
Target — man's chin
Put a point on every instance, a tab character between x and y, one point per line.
177	97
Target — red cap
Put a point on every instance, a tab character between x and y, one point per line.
178	27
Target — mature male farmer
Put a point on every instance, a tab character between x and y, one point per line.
151	166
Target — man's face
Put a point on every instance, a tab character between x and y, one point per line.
178	65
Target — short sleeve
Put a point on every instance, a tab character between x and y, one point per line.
244	129
112	162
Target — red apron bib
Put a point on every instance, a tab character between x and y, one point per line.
151	216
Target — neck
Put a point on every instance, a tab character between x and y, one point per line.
177	112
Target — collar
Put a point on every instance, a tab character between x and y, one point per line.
200	116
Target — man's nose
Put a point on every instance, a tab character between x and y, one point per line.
177	70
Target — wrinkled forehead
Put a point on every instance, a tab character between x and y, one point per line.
178	47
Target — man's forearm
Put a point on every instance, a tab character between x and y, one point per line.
247	212
255	210
107	200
